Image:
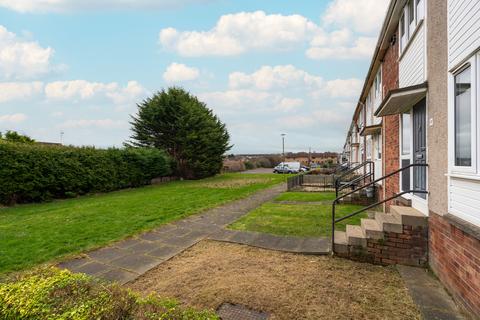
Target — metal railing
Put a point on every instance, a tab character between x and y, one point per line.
295	181
335	202
317	181
368	168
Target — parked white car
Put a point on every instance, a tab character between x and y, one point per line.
287	167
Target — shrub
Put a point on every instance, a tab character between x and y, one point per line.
249	165
50	293
33	173
233	166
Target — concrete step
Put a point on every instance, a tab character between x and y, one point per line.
389	222
356	236
410	216
340	242
372	229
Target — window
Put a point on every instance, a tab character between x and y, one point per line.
419	6
403	33
463	118
411	17
406	133
378	84
406	142
379	147
369	149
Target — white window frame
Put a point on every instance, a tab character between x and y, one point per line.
378	146
408	156
473	62
411	25
368	148
419	14
410	28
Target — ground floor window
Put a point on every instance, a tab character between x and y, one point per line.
405	149
463	113
463	142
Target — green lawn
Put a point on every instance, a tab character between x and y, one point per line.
32	234
306	196
304	220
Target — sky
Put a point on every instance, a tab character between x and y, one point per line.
73	71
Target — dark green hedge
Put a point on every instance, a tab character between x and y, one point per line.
34	172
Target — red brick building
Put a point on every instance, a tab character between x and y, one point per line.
422	97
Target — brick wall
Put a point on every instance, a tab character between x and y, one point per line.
391	123
455	259
407	248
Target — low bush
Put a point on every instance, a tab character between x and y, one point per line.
34	172
249	165
50	293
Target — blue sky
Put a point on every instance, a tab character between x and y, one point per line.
265	67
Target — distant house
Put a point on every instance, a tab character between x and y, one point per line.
308	159
420	105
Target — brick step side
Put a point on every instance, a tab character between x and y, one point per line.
400	237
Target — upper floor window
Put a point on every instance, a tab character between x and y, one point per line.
412	15
463	118
378	84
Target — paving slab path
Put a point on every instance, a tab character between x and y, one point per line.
429	294
127	259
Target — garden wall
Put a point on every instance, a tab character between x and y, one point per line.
34	173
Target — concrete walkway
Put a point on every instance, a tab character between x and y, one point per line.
317	246
429	295
126	260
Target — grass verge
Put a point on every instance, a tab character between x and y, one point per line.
301	220
306	196
36	233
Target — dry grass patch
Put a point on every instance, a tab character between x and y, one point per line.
288	286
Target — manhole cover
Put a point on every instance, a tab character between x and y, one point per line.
228	311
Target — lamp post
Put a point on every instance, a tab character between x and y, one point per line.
283	146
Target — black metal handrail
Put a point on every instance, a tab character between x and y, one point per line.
364	177
353	182
334	203
363	164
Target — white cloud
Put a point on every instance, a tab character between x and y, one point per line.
242	32
344	87
236	33
13	118
362	48
277	77
100	123
365	16
131	93
289	104
317	118
43	6
280	78
57	114
177	72
21	59
237	99
76	90
10	91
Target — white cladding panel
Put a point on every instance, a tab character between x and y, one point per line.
465	199
412	63
463	30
